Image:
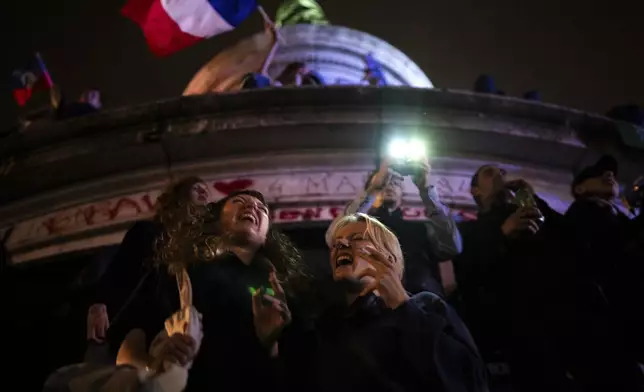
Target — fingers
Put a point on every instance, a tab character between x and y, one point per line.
96	328
99	332
277	287
528	212
275	304
371	286
180	348
384	166
91	333
372	255
529	224
257	302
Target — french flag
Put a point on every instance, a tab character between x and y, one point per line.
171	25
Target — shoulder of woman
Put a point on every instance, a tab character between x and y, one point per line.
144	228
429	303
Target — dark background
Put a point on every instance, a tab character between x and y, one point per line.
577	53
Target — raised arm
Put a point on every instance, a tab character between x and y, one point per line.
442	232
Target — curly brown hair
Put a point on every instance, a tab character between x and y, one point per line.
207	242
180	217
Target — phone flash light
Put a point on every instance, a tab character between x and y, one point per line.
407	150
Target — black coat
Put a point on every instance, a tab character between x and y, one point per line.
136	293
504	281
607	244
422	272
420	346
231	357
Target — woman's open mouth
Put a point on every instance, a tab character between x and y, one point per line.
343	260
249	217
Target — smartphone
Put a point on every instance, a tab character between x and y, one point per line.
524	199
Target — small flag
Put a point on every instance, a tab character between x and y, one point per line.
29	79
172	25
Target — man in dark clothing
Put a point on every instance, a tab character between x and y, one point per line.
519	287
424	244
607	246
509	280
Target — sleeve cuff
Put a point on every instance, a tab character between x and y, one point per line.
432	202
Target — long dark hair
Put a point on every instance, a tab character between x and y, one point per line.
179	218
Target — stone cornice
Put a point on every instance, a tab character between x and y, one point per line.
129	146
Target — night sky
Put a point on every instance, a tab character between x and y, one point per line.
576	53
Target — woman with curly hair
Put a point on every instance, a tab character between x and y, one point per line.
133	291
242	272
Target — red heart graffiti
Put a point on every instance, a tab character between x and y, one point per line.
228	187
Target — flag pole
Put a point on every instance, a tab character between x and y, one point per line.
54	93
43	69
270	23
278	39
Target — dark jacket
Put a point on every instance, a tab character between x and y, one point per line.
606	242
231	357
136	293
501	279
422	272
420	346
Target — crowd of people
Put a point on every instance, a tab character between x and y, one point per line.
209	296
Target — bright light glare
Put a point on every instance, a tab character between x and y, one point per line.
398	149
416	150
408	150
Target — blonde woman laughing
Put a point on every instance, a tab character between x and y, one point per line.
383	339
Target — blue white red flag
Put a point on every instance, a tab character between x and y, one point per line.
171	25
27	80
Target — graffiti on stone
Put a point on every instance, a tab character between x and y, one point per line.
228	187
84	217
280	189
346	186
317	185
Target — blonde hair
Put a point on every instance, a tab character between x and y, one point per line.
382	238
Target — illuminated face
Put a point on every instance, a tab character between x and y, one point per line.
199	194
393	192
346	262
604	186
246	218
491	180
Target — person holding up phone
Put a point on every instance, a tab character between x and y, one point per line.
424	244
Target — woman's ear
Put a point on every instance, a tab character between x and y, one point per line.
579	189
475	191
